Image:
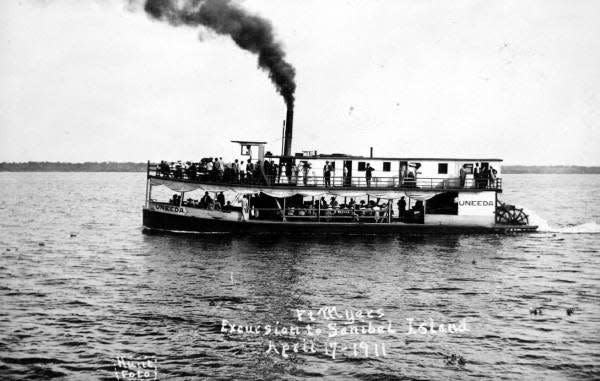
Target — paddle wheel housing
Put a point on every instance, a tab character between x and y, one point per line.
510	215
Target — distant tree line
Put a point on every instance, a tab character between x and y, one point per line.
113	166
47	166
514	169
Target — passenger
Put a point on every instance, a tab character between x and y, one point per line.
362	207
258	171
401	208
221	169
245	207
278	171
164	168
418	211
178	170
311	209
376	210
410	180
333	202
463	176
227	207
272	171
267	169
305	168
327	174
211	204
221	199
477	175
352	203
346	179
288	171
369	174
249	170
242	172
206	200
324	203
236	170
493	174
295	173
215	171
485	177
193	171
403	172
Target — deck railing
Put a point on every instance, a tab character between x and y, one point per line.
336	182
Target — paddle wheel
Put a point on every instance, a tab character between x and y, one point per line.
510	215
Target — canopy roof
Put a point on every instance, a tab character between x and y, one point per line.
179	186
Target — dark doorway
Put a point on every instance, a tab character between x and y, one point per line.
403	171
348	173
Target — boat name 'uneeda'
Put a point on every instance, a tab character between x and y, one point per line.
169	208
475	203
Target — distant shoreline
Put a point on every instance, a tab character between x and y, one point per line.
111	166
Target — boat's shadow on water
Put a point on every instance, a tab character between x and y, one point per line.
266	240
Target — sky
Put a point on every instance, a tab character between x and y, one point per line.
93	80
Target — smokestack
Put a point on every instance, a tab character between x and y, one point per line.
289	125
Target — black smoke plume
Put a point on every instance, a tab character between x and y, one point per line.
249	32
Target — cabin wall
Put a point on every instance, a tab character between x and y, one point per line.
429	169
474	209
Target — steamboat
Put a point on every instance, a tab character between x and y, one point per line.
308	192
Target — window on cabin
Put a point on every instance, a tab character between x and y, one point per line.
442	168
387	166
362	166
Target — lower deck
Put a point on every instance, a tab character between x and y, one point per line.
161	221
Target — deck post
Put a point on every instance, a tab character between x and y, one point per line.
319	211
147	187
147	184
283	214
181	199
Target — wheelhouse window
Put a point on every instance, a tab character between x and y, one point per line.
387	166
442	168
362	166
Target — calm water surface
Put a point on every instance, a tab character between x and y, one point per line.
80	286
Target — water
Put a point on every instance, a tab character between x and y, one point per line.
99	289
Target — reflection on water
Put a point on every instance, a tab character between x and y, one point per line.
98	289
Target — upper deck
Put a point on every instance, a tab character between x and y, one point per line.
339	172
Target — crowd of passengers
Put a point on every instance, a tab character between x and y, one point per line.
484	176
272	173
373	208
234	172
206	202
